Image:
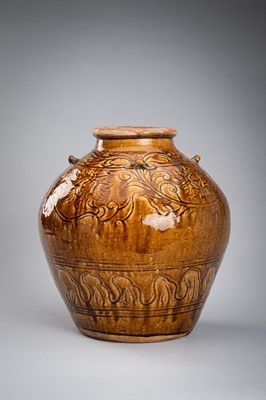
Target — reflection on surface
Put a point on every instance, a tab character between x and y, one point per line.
60	192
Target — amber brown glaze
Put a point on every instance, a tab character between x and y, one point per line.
134	233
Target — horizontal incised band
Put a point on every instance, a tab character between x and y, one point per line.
116	314
114	266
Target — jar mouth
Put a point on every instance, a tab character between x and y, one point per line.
131	132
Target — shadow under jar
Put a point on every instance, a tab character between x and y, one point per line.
134	233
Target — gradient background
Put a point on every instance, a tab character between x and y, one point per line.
69	66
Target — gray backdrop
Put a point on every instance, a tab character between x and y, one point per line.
69	66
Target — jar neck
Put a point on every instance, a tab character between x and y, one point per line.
134	138
135	144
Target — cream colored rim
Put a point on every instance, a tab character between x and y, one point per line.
124	132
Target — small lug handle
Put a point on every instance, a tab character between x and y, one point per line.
73	160
196	158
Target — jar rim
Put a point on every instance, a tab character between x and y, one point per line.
130	132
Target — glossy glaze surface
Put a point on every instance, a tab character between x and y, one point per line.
134	233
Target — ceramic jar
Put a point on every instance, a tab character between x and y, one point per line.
134	233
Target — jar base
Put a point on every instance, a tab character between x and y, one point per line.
130	338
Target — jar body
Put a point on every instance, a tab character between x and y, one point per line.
134	234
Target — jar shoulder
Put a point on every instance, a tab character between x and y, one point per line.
169	181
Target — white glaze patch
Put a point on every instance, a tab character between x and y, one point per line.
59	192
161	222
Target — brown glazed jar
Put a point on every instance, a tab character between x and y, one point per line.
134	233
